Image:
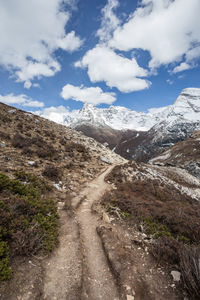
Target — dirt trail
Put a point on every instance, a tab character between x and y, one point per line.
78	269
63	270
98	282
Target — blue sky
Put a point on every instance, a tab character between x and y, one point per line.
137	54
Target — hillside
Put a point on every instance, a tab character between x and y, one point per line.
43	165
185	155
157	209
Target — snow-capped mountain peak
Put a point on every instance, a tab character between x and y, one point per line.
185	109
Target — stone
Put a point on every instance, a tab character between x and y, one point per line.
7	158
61	205
12	111
105	160
3	145
106	144
129	297
176	275
106	218
31	163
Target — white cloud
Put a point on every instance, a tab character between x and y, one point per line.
189	63
70	43
93	95
27	84
117	71
182	67
31	31
56	114
168	29
109	21
21	100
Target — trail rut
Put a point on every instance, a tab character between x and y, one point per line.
79	269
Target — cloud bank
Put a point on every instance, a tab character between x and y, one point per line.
168	29
92	95
109	21
21	100
104	64
31	31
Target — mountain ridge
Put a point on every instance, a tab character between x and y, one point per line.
185	107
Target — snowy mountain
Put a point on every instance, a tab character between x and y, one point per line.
138	135
185	109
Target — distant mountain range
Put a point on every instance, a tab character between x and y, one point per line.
186	107
138	135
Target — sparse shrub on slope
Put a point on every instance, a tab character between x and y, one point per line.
190	269
165	213
29	220
162	211
34	145
74	149
52	172
19	141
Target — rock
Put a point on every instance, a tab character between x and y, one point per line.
129	297
176	275
3	145
12	111
105	160
31	163
61	205
106	218
7	158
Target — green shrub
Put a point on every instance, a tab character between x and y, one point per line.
5	269
29	220
156	229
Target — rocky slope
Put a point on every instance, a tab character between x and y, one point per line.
185	155
157	209
31	142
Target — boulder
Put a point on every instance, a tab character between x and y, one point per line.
176	275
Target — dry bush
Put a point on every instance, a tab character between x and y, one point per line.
52	172
74	149
5	119
38	141
4	135
166	249
48	152
27	151
26	241
190	270
19	141
152	201
20	126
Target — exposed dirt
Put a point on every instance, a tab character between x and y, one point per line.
26	282
138	274
98	281
63	270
